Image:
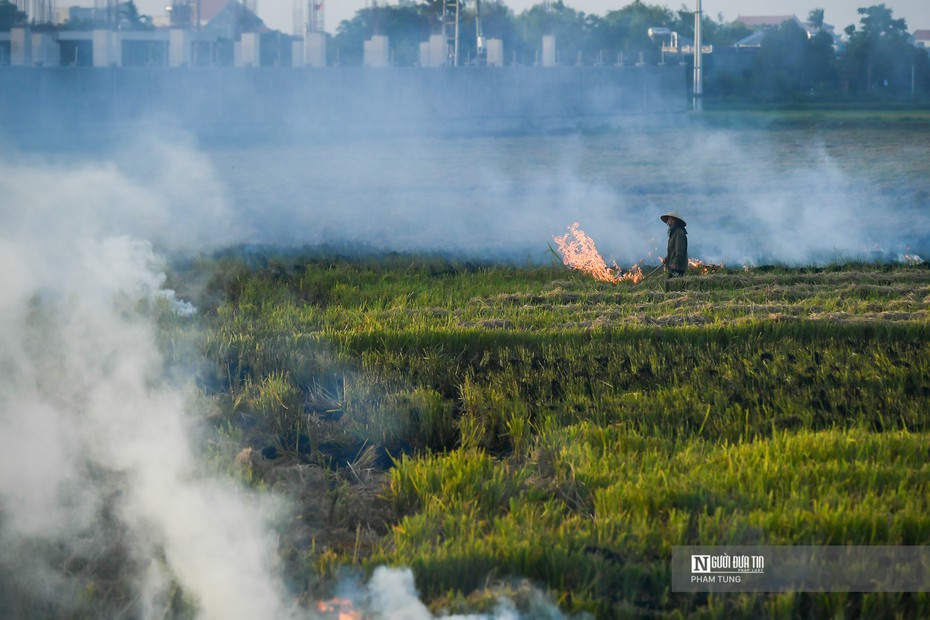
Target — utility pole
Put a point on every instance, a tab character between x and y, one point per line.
104	9
481	56
698	103
450	30
315	17
297	19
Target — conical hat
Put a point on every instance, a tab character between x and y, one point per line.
673	214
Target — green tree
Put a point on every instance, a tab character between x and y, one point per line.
571	29
879	58
820	66
815	17
10	16
626	30
779	65
497	22
791	65
405	26
877	21
131	19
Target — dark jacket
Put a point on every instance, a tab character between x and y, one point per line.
677	257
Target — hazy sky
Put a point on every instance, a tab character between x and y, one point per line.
840	13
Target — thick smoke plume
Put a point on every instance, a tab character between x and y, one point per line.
105	507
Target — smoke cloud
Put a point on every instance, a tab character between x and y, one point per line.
415	160
98	462
107	506
391	594
749	197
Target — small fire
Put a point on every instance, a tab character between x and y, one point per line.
634	275
578	252
698	266
338	609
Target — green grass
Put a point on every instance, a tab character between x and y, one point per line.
481	422
597	509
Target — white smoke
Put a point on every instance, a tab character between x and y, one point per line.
99	461
97	456
391	594
748	196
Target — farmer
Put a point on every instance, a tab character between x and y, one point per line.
676	261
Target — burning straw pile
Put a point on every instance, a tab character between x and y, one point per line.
578	252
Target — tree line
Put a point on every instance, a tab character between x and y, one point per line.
875	59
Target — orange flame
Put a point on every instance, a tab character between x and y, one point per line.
634	275
701	267
578	252
697	265
338	609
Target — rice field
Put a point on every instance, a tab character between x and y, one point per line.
492	425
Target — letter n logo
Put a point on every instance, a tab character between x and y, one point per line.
700	563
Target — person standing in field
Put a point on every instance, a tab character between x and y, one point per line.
676	260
